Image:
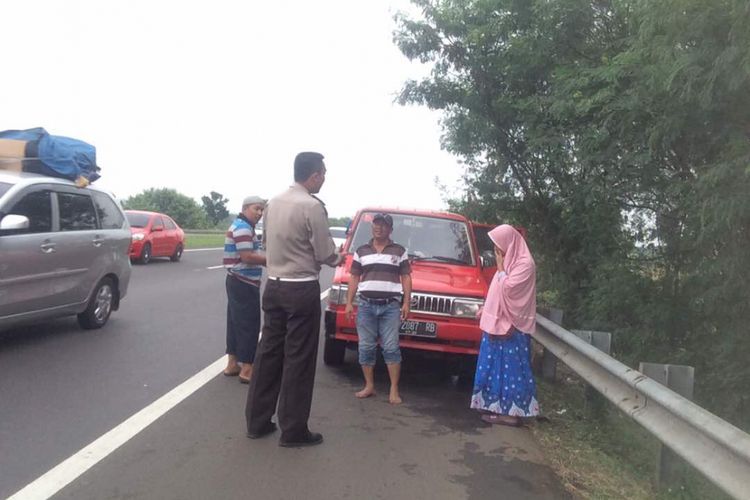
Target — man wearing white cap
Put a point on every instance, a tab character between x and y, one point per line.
244	263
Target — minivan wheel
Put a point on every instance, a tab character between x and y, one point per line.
333	352
145	254
177	254
100	306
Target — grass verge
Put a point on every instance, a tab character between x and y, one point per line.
599	452
204	240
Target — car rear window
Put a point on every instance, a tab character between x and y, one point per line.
76	212
138	220
110	216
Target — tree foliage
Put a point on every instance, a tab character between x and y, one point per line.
618	132
215	206
183	209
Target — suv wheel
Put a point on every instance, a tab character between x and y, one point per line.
177	254
145	254
100	306
333	352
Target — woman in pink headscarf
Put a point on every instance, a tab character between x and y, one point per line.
504	389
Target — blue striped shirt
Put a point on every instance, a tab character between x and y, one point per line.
240	237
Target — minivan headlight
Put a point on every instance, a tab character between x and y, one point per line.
337	295
138	236
466	308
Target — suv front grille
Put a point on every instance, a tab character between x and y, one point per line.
431	304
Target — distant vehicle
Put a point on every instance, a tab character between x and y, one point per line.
339	235
64	251
154	235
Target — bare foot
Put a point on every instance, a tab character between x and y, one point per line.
232	370
365	393
394	398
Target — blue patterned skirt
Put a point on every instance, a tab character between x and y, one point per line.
503	383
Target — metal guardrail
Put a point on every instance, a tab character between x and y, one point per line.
716	448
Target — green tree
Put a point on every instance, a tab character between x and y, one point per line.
215	206
183	209
339	221
617	132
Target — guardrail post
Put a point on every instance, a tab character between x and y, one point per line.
680	379
549	360
602	341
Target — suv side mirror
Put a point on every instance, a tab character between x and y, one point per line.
14	223
487	258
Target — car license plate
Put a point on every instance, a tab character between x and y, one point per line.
418	328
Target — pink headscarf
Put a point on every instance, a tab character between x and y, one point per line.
511	299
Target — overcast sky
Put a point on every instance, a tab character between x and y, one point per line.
220	95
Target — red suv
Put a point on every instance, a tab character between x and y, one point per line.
452	262
154	235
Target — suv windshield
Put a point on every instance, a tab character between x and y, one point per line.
138	220
425	238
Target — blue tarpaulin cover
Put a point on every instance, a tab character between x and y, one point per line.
55	155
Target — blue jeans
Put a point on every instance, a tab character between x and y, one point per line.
375	321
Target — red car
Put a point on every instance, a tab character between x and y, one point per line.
154	235
452	261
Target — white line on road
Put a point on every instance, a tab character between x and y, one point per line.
57	478
215	267
71	468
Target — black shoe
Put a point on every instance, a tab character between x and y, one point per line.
311	439
267	429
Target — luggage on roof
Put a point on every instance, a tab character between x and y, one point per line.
35	150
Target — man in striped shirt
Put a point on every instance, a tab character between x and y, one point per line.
243	261
381	273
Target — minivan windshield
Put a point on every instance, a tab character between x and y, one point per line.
425	238
138	220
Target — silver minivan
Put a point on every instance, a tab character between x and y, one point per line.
63	251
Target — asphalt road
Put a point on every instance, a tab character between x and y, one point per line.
61	388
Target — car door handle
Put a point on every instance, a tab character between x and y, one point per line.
98	240
48	247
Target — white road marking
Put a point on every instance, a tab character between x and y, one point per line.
63	474
215	267
73	467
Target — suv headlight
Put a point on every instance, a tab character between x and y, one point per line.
138	236
466	308
337	295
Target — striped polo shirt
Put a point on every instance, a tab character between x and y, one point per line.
380	273
240	237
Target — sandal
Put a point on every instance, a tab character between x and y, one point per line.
500	420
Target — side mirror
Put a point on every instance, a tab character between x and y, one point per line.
487	258
14	223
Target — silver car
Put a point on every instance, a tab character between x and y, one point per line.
63	251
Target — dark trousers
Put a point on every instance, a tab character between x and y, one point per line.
285	369
243	319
